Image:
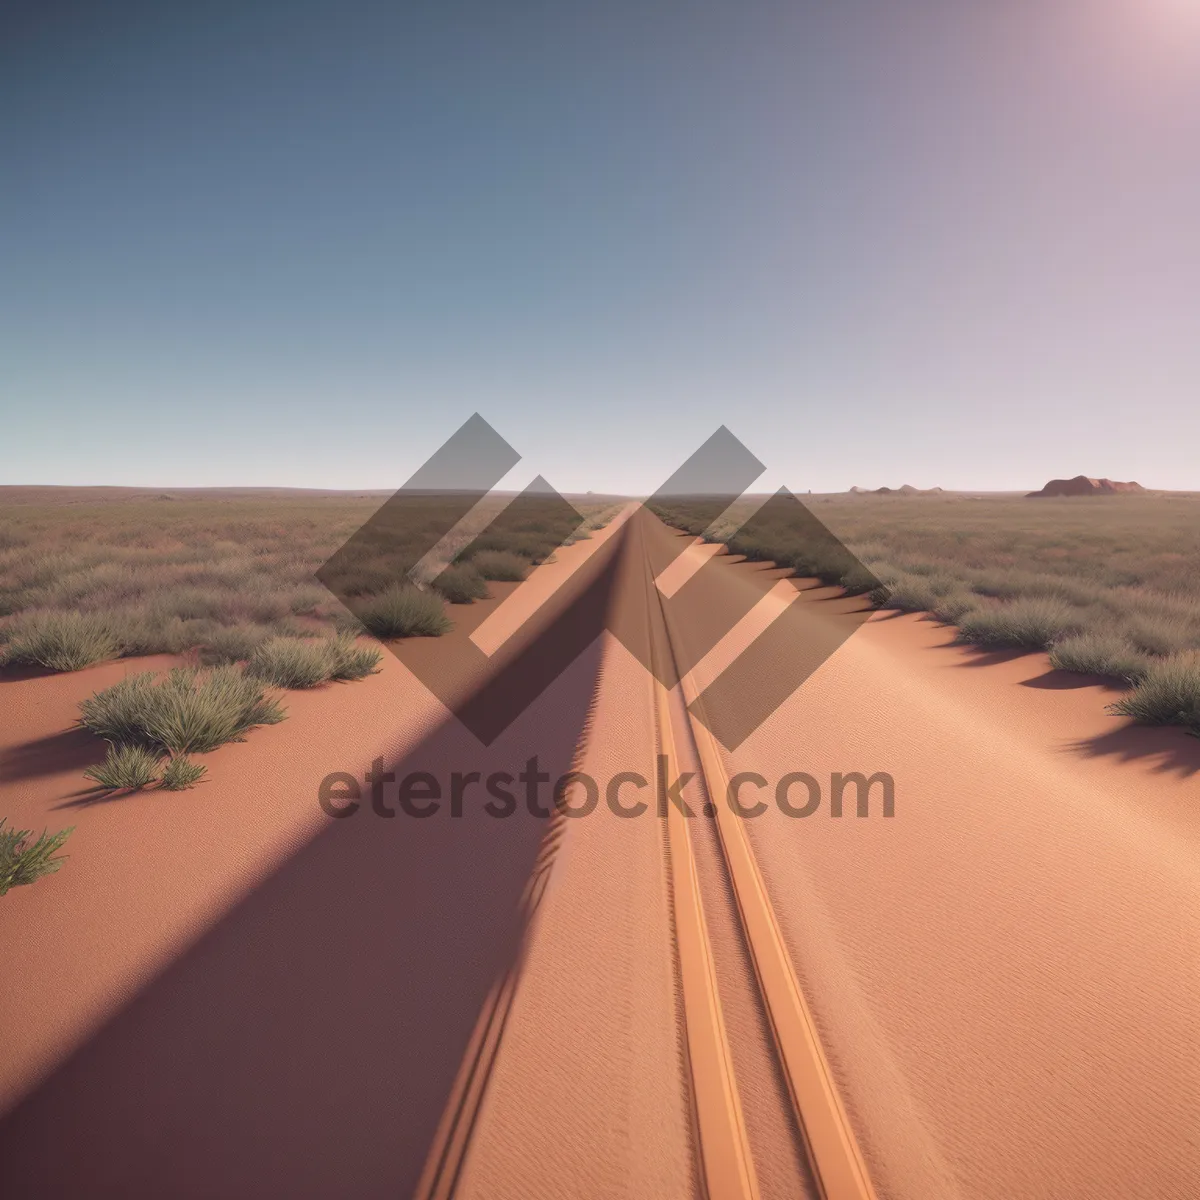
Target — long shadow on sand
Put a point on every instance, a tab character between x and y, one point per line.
19	674
306	1045
981	656
69	749
1055	680
1168	751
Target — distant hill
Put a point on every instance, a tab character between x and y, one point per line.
1083	485
905	489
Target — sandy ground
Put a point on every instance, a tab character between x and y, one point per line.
589	1095
1007	970
226	992
1004	972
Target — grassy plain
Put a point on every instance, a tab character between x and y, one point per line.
92	574
228	580
1108	585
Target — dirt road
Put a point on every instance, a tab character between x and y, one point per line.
989	993
1002	975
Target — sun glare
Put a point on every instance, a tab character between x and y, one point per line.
1181	14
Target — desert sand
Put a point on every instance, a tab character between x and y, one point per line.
230	976
1003	973
226	992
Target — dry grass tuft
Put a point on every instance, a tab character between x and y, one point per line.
62	641
126	768
188	711
1032	624
23	861
1096	653
501	565
1168	694
461	584
403	610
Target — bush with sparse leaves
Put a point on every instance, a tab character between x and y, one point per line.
23	861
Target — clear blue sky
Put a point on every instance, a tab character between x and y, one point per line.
930	242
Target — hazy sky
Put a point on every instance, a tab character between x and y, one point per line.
950	242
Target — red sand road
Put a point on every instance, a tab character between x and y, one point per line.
1005	973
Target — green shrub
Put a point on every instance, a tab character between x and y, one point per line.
953	606
1168	694
295	663
350	660
998	584
858	580
182	774
191	603
292	662
461	584
62	641
501	565
910	593
126	768
189	711
306	599
1099	654
1033	624
1160	634
345	622
403	610
118	713
530	545
150	634
22	863
288	627
266	605
233	643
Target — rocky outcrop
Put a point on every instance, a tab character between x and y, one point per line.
906	489
1084	485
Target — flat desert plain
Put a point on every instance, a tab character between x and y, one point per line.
978	981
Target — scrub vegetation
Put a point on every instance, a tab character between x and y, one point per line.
92	574
304	663
1107	584
403	610
501	565
189	710
22	861
152	722
236	584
